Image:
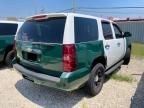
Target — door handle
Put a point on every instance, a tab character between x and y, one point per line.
107	46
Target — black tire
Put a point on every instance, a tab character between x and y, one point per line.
96	80
9	57
127	57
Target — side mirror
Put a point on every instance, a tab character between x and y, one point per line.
127	34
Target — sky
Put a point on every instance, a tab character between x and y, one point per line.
25	8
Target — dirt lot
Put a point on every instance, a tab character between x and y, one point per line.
16	92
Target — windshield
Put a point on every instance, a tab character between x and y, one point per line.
49	30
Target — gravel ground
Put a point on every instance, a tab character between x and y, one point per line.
16	92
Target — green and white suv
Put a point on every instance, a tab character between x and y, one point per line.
67	51
8	30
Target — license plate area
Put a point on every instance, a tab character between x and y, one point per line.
30	56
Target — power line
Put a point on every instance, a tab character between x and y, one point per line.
65	10
110	12
111	8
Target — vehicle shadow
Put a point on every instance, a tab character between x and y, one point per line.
3	66
48	97
108	77
137	100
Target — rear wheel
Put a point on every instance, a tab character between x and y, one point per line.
9	57
96	80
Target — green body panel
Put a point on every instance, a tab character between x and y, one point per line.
5	41
50	62
88	52
49	57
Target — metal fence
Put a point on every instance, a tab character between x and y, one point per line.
136	28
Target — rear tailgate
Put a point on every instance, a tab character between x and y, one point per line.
45	59
39	45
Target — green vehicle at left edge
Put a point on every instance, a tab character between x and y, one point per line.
8	30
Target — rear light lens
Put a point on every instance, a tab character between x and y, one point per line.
69	57
39	17
14	49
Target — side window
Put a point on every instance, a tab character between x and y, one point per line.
85	29
118	32
8	29
107	31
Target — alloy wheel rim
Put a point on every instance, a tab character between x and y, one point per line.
98	78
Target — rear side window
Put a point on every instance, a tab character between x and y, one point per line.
48	31
85	29
107	31
8	29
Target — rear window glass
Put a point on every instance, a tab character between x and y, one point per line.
48	31
107	31
8	29
85	29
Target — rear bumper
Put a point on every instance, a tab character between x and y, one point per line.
66	82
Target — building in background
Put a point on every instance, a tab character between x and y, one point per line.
134	26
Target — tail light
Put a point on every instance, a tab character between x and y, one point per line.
14	49
69	57
39	17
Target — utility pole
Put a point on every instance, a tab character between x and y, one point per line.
74	6
35	8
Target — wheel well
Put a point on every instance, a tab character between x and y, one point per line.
8	49
101	59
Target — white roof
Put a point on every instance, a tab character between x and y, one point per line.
71	14
10	22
